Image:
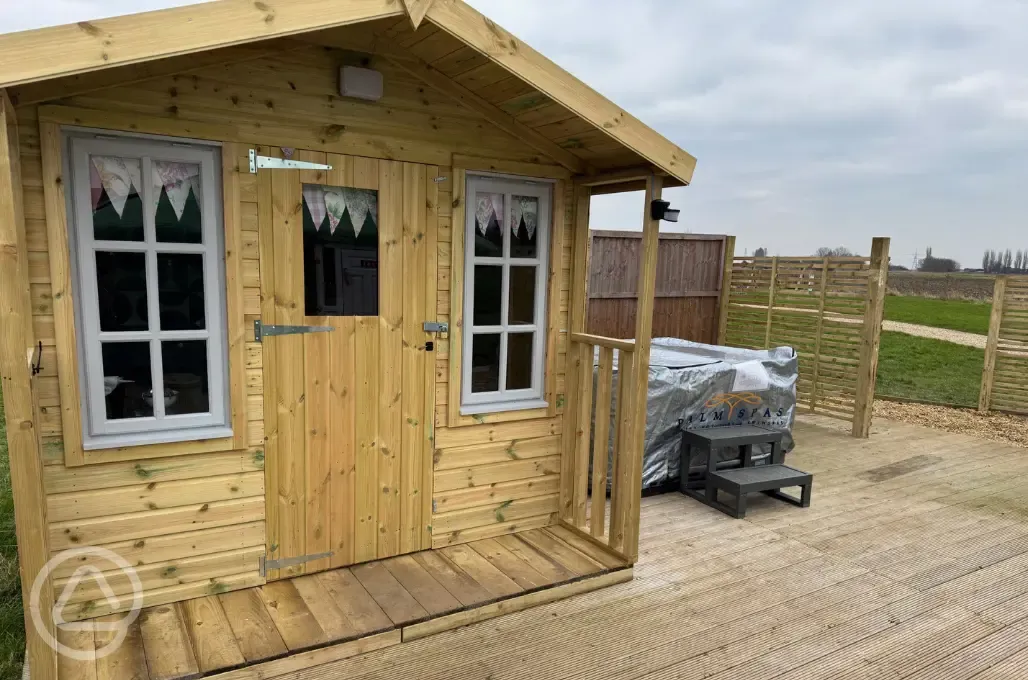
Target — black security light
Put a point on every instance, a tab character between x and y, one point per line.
662	210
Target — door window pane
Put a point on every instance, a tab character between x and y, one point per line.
488	294
180	291
127	380
485	362
488	225
176	196
185	377
524	221
121	289
521	307
340	251
519	361
114	191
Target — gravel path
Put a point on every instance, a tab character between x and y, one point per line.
958	337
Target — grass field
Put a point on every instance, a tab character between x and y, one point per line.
959	315
929	370
12	632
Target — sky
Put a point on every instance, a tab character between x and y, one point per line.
814	123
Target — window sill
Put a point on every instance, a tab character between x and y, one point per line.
502	407
140	440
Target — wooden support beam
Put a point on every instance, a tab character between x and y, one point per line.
991	345
416	10
871	337
636	174
23	435
462	21
643	337
727	259
576	324
771	302
495	115
58	51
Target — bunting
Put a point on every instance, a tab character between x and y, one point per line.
177	180
526	207
488	207
332	202
118	177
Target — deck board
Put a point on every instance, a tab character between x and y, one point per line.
920	574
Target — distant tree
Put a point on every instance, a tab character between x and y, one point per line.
841	251
930	263
898	268
1008	261
760	252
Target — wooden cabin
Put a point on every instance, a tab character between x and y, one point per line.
293	307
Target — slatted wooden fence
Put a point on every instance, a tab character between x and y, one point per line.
688	285
827	309
1005	376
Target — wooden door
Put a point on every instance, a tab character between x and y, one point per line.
348	413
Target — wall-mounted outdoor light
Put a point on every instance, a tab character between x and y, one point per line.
662	210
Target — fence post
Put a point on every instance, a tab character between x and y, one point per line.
995	321
825	264
771	301
728	259
870	337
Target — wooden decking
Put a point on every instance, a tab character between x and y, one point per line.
911	563
292	624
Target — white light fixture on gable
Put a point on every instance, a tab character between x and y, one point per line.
360	83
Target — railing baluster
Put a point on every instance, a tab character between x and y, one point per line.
582	432
619	488
601	440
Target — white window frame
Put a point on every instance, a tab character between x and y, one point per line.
98	431
506	400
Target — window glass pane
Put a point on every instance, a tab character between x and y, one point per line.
176	196
127	380
186	388
488	225
521	306
180	291
519	361
121	291
488	293
114	186
340	251
485	362
524	222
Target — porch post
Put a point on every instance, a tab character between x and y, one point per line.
643	336
23	438
870	338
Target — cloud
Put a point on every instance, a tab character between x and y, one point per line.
815	123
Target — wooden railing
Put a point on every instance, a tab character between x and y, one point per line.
589	439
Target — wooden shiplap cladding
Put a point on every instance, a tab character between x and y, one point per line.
348	450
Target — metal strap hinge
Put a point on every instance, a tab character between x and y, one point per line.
257	162
261	330
266	564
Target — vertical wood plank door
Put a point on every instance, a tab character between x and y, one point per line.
348	444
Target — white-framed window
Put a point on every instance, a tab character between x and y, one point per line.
146	237
506	249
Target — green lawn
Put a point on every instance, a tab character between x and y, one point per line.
958	315
12	631
929	370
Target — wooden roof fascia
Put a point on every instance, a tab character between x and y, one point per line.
83	83
465	23
45	53
619	176
494	114
416	10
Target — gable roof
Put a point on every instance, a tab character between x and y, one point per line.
55	52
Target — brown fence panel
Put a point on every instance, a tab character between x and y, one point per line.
1005	377
687	292
829	310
